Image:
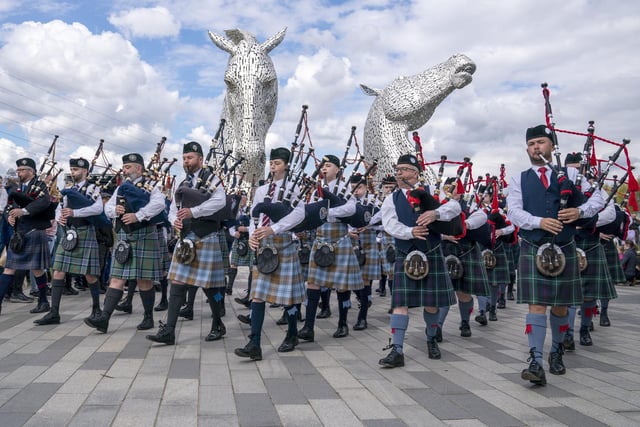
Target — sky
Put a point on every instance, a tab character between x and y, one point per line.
131	72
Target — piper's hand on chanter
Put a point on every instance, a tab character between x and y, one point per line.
551	225
606	237
16	213
452	239
569	215
263	232
120	210
353	234
66	213
184	213
129	218
420	232
254	242
177	224
426	218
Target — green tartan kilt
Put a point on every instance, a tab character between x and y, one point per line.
613	261
371	269
224	248
165	264
385	241
511	263
534	288
499	274
145	259
435	290
596	281
241	261
474	280
83	259
207	270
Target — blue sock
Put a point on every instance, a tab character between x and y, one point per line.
604	304
494	295
536	331
572	320
442	315
257	319
398	324
482	303
431	320
588	310
559	326
503	290
465	309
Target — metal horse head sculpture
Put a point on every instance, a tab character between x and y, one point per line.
252	94
406	105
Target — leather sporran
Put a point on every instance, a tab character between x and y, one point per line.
550	260
267	259
416	265
242	248
489	259
185	251
582	259
122	252
361	255
324	256
454	267
390	254
70	240
16	243
304	253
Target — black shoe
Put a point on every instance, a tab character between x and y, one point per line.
162	306
534	373
569	344
244	319
125	306
392	360
101	323
283	319
20	297
492	314
165	335
556	366
289	344
274	305
360	325
216	332
465	329
433	350
306	334
502	303
69	291
604	319
383	293
50	318
324	313
482	319
146	324
510	296
378	290
438	334
250	350
186	312
341	332
591	328
33	294
42	307
228	290
585	337
243	301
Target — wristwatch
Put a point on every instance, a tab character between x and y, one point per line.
437	215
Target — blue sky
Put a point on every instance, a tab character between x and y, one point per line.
132	71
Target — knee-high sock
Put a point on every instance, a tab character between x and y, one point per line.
216	299
503	290
465	309
559	326
233	272
111	299
325	297
344	304
191	294
132	284
249	281
431	321
365	296
313	297
18	280
588	310
41	283
494	295
164	284
291	311
398	324
512	280
536	331
482	303
383	282
57	286
148	299
604	305
177	295
257	319
442	315
5	282
94	288
571	319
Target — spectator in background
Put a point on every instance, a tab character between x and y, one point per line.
629	262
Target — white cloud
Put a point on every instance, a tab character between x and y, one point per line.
155	22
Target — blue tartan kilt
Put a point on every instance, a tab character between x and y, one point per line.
500	274
237	260
224	249
435	290
344	274
285	285
145	259
534	288
83	259
613	261
35	254
596	281
165	264
371	269
385	241
207	270
474	280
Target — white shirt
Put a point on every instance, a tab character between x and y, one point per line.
293	218
3	199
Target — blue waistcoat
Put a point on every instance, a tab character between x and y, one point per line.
408	217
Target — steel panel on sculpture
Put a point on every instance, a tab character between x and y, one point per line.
251	97
406	105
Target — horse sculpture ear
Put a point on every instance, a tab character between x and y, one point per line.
273	41
222	42
369	90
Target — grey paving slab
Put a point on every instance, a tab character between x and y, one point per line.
94	416
442	407
571	417
30	398
256	409
185	368
100	360
284	391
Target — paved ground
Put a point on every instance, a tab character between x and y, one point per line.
69	374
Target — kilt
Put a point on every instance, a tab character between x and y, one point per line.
207	270
344	274
237	260
596	281
145	259
34	256
500	274
534	288
224	249
285	285
435	290
385	241
613	261
371	269
511	262
165	263
474	280
83	259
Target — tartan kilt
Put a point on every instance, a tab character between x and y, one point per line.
613	261
474	280
534	288
83	259
596	281
237	260
508	249
224	248
435	290
207	270
371	269
35	254
344	274
500	274
385	241
285	285
165	263
145	259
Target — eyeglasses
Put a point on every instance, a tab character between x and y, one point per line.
403	169
23	169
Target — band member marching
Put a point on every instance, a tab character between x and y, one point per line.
137	254
192	214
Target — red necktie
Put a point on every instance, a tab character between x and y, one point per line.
266	221
543	176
